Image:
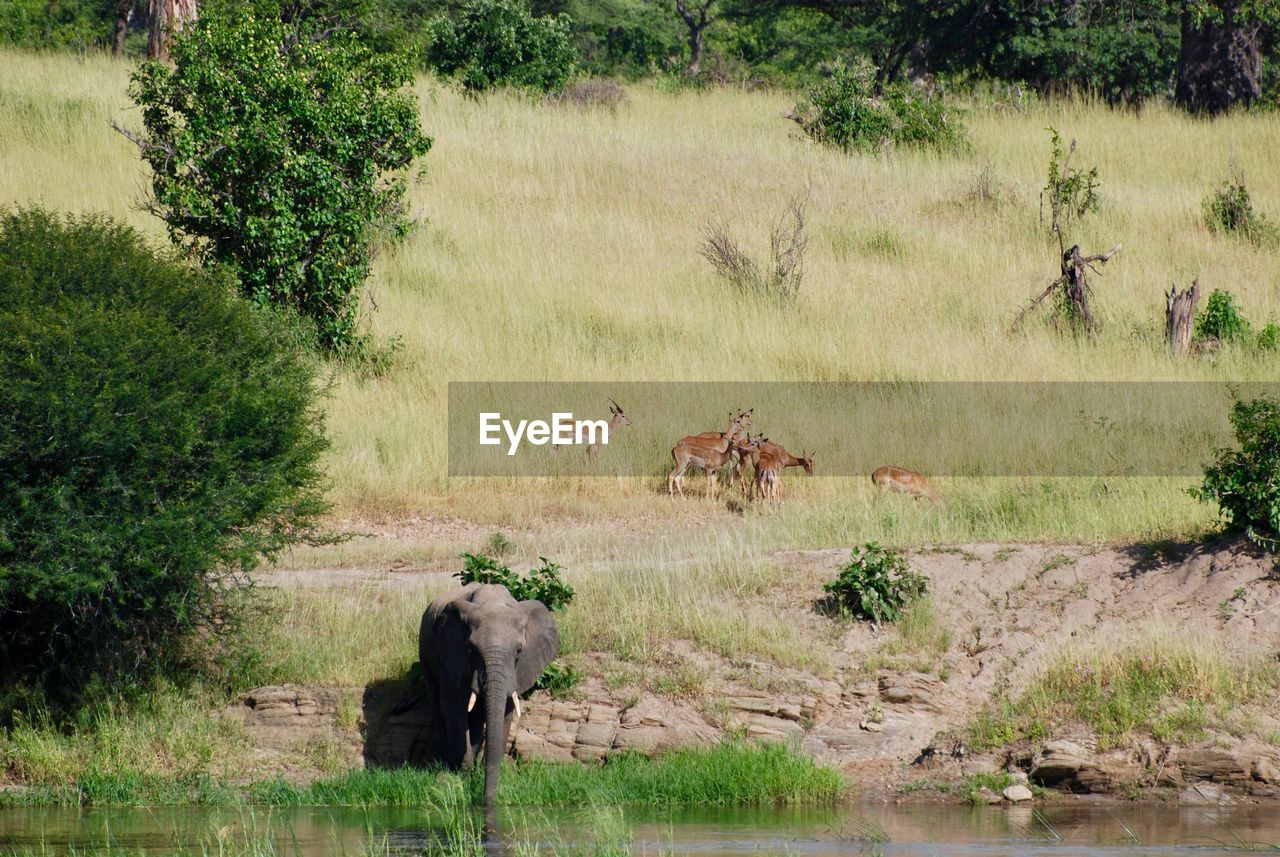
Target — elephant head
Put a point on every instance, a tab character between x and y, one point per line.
481	649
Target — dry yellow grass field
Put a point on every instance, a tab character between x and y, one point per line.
556	244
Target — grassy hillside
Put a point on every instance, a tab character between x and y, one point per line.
557	244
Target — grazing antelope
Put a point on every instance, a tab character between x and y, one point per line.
890	478
769	464
710	450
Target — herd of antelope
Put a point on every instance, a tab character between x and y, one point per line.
734	449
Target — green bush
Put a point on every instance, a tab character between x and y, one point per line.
844	111
877	584
158	437
1269	337
1222	319
542	583
1245	482
558	679
494	43
1230	209
279	155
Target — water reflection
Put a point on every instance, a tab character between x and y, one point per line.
1090	828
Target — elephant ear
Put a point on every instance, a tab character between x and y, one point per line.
541	643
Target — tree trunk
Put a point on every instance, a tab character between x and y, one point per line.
1220	63
1180	315
124	11
167	17
696	19
695	52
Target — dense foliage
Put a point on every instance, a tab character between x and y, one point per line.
1245	482
157	437
1121	50
847	112
542	583
70	24
278	155
1230	209
1222	319
492	43
877	584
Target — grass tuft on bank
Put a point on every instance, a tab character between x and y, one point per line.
1168	686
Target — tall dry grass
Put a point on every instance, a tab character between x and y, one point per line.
563	245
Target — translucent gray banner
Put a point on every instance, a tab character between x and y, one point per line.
943	429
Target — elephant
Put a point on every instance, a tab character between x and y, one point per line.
479	643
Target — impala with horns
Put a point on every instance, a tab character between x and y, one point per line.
890	478
711	451
617	419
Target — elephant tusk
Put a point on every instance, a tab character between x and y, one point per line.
472	703
516	699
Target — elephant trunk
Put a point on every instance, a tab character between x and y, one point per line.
497	688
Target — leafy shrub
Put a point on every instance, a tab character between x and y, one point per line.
1230	209
1245	482
277	155
877	584
1269	337
543	583
558	679
1222	319
158	437
1071	192
845	111
493	43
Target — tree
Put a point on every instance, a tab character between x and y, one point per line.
279	154
696	17
166	17
1220	61
159	436
492	43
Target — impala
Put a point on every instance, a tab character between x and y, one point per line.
709	450
617	419
769	464
890	478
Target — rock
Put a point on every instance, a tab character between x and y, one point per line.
987	796
1019	778
915	689
871	726
1211	763
983	764
1205	794
1265	769
1060	762
1017	794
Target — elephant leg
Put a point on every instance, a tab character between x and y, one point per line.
453	731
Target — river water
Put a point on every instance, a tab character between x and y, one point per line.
1072	828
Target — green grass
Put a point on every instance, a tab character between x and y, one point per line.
1165	685
729	774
